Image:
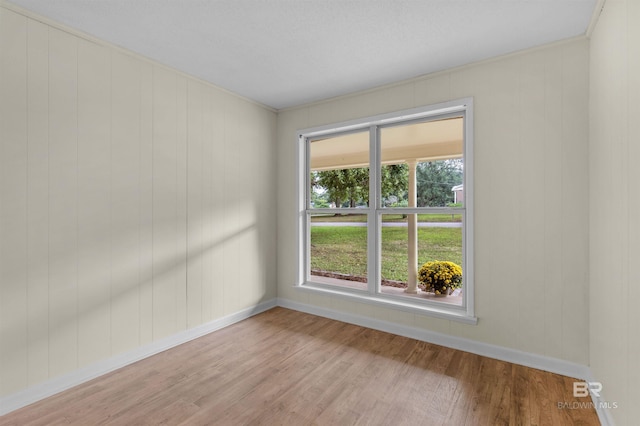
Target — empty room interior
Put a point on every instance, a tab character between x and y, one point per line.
319	212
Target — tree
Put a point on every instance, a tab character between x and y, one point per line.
435	180
319	199
394	182
352	185
342	185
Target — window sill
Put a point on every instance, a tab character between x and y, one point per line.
453	313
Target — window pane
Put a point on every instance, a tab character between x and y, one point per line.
394	179
339	250
439	183
339	171
430	151
437	240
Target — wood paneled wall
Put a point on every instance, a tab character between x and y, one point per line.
615	207
135	202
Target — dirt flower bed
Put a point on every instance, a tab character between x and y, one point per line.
339	276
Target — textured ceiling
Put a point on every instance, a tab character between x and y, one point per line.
284	53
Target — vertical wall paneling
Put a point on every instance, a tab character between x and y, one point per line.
38	200
121	198
608	231
288	122
145	219
63	202
260	191
217	215
208	274
614	232
261	269
181	200
245	207
633	231
167	252
575	190
270	156
500	136
13	204
261	159
125	202
552	178
93	206
4	327
195	98
531	235
233	195
495	88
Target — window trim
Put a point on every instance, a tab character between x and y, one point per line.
372	295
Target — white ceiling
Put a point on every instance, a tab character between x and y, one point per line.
284	53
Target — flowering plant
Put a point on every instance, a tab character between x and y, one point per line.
440	276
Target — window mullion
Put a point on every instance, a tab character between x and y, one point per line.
307	216
372	216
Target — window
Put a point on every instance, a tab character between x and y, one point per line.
383	198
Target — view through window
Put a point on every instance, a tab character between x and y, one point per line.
386	213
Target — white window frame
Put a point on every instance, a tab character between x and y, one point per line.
373	295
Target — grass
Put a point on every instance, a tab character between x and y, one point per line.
387	218
344	249
339	249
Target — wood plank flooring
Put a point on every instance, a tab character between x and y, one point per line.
284	367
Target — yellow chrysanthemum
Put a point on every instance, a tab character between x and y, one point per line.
440	275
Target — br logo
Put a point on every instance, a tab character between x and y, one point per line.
582	389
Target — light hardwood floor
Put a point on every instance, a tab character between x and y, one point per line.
284	367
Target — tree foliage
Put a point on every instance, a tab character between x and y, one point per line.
395	181
350	187
344	185
435	180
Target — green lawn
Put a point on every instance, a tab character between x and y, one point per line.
388	218
344	249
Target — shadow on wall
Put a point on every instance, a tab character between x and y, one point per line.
132	285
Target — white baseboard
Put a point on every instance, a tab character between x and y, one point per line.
51	387
515	356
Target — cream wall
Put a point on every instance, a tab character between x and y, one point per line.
531	254
615	207
135	202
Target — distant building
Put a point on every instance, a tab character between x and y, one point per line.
458	193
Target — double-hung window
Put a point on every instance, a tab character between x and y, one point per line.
386	210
